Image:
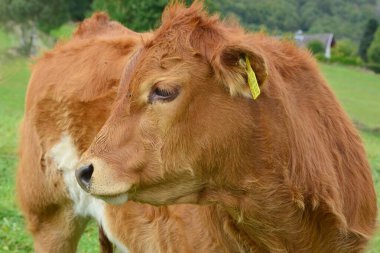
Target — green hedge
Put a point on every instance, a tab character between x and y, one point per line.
374	67
345	60
316	47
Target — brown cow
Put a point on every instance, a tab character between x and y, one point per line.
289	167
69	97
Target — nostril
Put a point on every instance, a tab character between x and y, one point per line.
84	174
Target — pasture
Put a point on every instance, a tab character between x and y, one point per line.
358	91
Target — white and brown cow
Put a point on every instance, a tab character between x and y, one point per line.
287	169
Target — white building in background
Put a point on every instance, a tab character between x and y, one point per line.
327	40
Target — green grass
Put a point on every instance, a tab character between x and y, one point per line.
12	88
358	90
372	145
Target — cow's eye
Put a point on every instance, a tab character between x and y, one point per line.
163	94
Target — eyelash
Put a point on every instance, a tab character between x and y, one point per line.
163	95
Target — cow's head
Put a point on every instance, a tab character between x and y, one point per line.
183	117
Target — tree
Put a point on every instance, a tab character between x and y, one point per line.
367	38
26	16
344	18
78	8
137	15
374	49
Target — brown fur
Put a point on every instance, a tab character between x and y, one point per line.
289	168
171	229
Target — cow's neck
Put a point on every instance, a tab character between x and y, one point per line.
257	206
250	186
226	232
235	214
267	220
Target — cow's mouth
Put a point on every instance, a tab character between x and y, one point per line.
116	199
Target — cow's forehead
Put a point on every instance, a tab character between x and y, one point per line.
145	66
130	68
160	58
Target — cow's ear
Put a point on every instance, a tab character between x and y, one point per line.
242	70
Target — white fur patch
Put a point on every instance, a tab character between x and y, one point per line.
65	156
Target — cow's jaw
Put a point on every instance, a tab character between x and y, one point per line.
114	200
180	190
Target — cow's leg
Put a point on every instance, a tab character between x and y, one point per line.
61	233
53	224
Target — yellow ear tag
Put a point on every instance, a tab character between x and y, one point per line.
252	81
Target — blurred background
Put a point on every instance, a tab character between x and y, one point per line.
343	35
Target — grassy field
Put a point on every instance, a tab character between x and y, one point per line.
358	90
